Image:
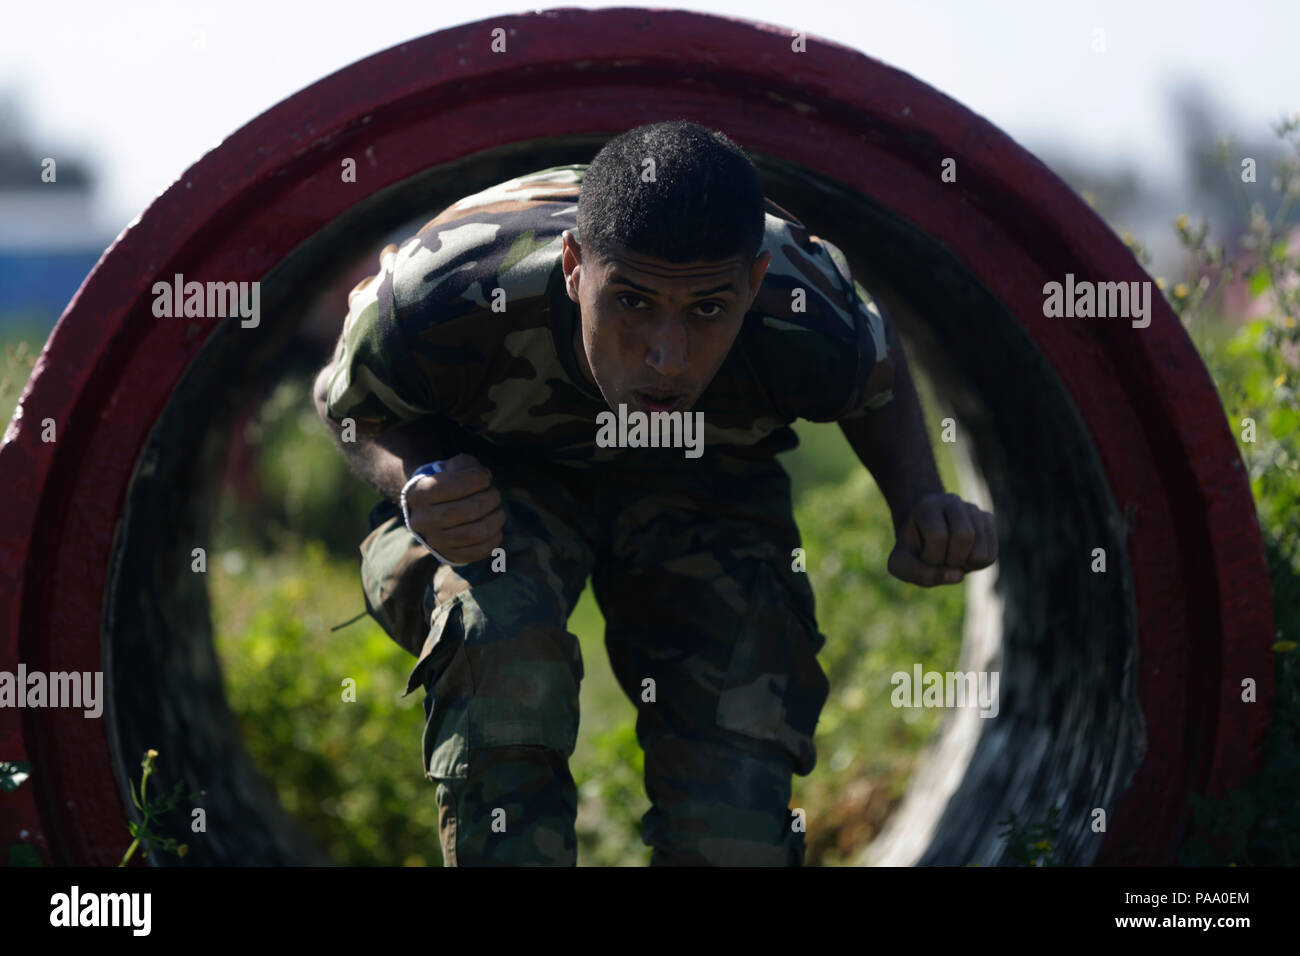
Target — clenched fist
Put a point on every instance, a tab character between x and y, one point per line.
458	511
942	539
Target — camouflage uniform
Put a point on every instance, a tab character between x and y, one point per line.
710	632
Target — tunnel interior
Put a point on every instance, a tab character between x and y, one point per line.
1069	731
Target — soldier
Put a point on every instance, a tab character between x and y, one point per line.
658	278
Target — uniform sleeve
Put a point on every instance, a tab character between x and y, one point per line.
873	388
858	378
376	380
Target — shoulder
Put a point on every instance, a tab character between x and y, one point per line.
809	328
807	284
497	246
807	305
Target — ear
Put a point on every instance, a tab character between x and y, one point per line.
570	260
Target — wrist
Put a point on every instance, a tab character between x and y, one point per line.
432	468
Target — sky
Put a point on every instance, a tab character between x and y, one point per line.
144	89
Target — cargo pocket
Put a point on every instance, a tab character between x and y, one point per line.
395	574
448	694
774	687
498	672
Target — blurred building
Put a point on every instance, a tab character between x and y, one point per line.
47	248
48	237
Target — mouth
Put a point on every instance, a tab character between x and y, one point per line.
657	401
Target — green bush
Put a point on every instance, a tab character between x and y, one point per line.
349	770
1256	368
304	490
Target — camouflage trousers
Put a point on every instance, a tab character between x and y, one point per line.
710	632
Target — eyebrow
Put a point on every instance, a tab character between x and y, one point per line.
619	279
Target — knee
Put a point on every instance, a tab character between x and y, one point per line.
717	806
500	671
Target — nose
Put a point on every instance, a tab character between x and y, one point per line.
667	351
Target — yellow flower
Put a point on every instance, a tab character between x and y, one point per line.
1280	380
1284	647
1181	222
1042	845
1160	282
1288	322
151	753
182	849
1180	291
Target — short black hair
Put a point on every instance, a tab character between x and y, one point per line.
704	202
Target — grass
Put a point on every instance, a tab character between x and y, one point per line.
21	338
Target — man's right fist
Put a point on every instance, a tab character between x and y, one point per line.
458	511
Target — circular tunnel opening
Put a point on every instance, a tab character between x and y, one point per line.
425	121
1068	732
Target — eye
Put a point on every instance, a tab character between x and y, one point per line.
713	305
622	300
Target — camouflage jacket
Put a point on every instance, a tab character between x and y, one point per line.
430	334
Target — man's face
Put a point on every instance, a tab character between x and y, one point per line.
654	333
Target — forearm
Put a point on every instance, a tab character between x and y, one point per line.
384	462
893	445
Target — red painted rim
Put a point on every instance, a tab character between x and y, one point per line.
1204	606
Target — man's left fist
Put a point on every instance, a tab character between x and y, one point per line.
942	539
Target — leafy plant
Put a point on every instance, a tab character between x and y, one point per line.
151	809
1031	844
